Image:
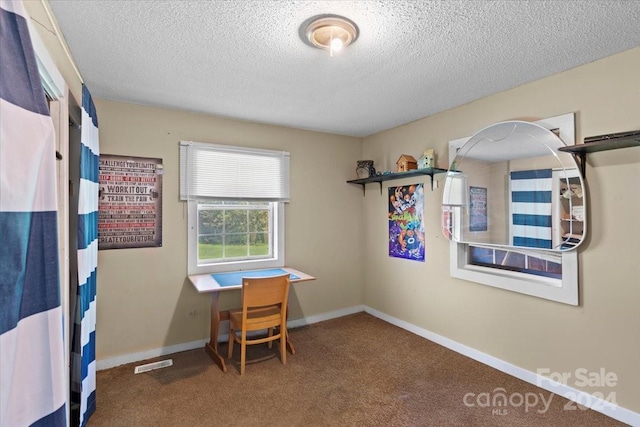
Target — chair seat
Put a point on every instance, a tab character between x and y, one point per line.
257	318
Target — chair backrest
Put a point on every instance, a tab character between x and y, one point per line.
264	291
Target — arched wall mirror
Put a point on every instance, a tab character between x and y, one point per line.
510	186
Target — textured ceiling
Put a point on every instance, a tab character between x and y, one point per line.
245	59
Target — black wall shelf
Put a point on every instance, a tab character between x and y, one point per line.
602	143
397	175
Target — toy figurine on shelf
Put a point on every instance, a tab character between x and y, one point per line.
574	190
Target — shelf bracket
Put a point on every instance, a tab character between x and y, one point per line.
581	159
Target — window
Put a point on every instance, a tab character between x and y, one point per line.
234	230
543	264
235	202
559	283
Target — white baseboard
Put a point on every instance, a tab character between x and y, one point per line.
325	316
223	336
585	399
112	362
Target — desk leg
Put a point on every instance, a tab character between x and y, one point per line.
290	346
212	346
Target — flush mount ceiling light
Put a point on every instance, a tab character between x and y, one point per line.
329	32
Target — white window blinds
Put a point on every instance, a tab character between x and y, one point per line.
222	172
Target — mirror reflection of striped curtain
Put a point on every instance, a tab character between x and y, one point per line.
531	208
32	380
83	363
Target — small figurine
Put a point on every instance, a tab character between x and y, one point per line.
574	190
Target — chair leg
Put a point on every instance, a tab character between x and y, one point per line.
270	334
243	353
231	342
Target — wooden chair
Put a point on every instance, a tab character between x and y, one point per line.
264	307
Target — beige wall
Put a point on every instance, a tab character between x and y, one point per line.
604	331
497	198
143	295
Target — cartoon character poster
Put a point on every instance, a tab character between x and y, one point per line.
406	229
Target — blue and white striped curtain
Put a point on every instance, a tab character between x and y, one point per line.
32	375
531	208
83	364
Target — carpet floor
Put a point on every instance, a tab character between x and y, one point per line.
356	370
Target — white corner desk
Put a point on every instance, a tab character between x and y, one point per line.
206	283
